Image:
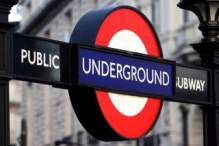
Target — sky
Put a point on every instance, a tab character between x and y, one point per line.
14	16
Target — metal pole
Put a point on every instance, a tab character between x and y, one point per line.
209	53
208	50
4	113
211	126
5	70
211	113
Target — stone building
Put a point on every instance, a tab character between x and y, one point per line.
15	106
48	111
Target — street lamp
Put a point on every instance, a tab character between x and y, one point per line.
207	12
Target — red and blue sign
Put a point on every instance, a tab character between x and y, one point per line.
110	116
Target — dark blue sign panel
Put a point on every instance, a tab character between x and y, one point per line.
127	73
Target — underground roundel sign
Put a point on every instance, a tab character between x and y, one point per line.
110	116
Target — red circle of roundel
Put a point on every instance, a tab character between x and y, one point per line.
138	125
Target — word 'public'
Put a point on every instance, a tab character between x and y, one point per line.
39	59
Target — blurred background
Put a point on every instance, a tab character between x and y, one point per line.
43	116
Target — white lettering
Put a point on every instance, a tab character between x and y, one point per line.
104	63
119	71
202	84
39	59
180	86
190	84
97	67
143	79
158	77
44	62
152	76
23	55
198	87
134	72
50	62
34	58
124	71
53	61
83	65
112	69
167	77
185	83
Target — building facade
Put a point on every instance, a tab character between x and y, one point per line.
48	111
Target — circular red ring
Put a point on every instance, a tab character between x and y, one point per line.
138	125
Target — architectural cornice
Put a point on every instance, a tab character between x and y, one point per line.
42	16
5	7
9	2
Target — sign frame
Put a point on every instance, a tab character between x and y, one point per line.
98	103
33	41
209	86
76	69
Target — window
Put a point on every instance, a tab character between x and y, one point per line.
92	140
146	141
185	16
28	10
67	25
68	19
47	34
139	7
95	3
153	11
80	138
29	5
155	16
